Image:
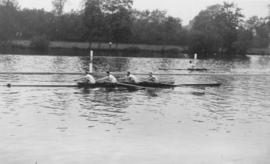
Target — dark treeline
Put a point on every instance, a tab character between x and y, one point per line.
99	21
221	30
218	30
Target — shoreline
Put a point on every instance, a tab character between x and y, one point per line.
104	46
23	47
259	51
60	48
85	53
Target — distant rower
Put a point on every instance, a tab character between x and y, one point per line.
191	65
151	77
130	78
109	78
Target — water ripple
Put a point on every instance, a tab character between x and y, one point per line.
44	116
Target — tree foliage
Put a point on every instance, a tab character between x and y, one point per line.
114	6
108	20
260	28
219	29
9	3
35	23
149	26
216	30
98	21
58	6
9	17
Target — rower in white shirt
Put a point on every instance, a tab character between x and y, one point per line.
191	65
151	78
130	78
109	78
88	78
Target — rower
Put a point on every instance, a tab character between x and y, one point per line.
130	78
192	65
151	77
88	78
109	78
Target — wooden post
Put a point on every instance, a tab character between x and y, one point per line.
91	61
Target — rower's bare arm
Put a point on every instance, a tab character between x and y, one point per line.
79	79
122	78
102	79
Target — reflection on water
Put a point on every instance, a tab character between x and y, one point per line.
228	124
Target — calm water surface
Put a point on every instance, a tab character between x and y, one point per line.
226	125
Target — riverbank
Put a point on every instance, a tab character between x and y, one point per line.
101	49
259	51
105	46
61	48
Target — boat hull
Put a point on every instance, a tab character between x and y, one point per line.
125	85
143	85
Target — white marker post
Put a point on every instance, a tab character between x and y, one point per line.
91	61
195	56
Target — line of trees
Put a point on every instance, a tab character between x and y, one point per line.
219	29
99	21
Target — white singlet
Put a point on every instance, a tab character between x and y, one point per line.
90	79
133	78
112	79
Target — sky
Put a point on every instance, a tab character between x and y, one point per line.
183	9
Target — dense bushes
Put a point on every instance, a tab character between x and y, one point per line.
40	42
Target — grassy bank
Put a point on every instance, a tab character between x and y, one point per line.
259	51
101	49
105	46
105	49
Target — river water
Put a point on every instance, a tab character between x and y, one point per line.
229	124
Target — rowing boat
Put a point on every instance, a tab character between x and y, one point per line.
141	85
127	85
144	85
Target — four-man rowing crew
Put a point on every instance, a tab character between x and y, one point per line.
109	78
131	81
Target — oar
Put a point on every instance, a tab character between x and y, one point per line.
162	83
40	85
200	69
135	86
198	85
121	84
159	74
41	73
